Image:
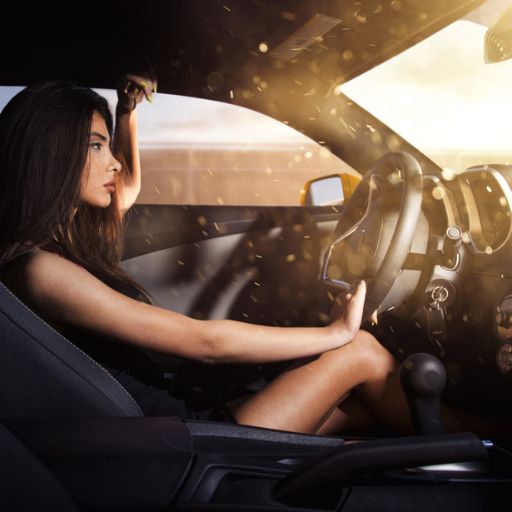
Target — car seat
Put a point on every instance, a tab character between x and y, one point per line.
43	375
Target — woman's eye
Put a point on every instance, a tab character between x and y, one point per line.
95	145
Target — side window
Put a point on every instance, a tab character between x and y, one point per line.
196	151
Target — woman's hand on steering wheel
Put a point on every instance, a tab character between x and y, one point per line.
347	312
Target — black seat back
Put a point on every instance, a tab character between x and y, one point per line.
42	374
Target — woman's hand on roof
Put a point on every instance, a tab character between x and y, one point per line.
132	89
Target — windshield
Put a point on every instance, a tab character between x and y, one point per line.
442	97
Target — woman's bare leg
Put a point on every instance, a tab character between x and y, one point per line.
304	397
362	411
350	416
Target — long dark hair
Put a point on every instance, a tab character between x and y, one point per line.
44	140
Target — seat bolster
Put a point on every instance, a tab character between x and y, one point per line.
45	375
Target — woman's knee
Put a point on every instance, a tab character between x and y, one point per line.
380	361
366	350
366	344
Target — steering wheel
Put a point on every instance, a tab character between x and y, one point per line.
373	236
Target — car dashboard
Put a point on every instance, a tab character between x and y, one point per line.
461	309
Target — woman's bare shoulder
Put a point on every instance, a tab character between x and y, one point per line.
63	291
17	273
42	279
34	260
45	267
41	276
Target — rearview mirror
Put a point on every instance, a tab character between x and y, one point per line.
329	190
498	39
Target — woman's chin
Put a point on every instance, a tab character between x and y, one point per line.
98	203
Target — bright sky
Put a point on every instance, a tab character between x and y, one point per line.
440	94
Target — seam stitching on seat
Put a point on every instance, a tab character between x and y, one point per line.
73	346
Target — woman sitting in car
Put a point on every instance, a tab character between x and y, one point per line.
66	179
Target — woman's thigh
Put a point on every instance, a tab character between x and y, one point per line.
303	397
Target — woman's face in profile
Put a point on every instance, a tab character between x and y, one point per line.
99	175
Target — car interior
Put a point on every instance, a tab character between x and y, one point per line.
434	251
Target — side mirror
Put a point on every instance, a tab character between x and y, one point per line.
329	190
498	39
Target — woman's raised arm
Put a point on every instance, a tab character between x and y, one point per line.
131	91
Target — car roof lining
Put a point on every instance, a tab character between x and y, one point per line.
185	40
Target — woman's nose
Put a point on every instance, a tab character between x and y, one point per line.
115	164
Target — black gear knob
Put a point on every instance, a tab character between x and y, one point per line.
423	379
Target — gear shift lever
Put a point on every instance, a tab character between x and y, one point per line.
423	378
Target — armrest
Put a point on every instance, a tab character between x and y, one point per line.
111	462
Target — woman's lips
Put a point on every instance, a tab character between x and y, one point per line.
110	186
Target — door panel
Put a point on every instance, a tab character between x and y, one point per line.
256	264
